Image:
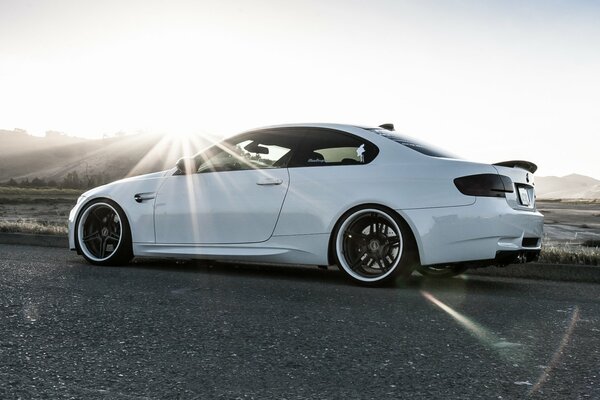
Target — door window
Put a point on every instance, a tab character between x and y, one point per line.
257	150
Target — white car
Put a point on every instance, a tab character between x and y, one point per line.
376	203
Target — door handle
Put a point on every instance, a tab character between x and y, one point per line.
139	197
269	182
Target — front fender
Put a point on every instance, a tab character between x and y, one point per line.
140	214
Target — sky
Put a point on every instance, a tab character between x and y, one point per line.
487	80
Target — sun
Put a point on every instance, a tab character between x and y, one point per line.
169	147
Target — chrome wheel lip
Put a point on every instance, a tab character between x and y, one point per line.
80	229
340	238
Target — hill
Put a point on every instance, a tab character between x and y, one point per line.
572	186
55	156
18	141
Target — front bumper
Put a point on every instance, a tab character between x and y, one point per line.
71	224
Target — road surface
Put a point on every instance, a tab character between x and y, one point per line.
159	329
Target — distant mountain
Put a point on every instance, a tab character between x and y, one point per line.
19	141
55	156
572	186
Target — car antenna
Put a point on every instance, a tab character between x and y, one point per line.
389	127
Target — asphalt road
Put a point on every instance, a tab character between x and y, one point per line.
158	329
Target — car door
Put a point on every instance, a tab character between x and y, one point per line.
330	172
235	196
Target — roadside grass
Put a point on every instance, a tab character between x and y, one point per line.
569	201
33	227
571	254
37	200
19	191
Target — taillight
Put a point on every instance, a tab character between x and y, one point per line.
486	185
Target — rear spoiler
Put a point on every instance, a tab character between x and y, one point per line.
526	165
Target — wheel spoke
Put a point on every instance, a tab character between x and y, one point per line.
393	241
386	230
385	265
103	248
392	253
91	236
359	260
114	236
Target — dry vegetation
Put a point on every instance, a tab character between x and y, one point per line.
24	226
570	254
30	193
36	210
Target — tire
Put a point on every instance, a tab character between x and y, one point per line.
441	272
102	234
373	246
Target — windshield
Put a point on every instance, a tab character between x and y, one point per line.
413	144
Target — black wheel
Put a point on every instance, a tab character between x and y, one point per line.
102	234
441	271
373	246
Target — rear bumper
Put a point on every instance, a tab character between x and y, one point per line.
516	257
488	230
502	259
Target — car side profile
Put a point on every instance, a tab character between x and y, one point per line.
374	202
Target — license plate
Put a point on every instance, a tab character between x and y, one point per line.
524	196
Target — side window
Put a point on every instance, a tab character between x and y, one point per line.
324	147
256	150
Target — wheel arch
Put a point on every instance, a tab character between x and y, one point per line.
85	205
415	244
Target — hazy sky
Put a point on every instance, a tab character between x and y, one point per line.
488	80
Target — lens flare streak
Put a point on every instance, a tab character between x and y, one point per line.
558	353
472	327
508	351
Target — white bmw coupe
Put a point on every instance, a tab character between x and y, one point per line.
376	203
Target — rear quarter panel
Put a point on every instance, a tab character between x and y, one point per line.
319	196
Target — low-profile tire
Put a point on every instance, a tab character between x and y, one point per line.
373	246
441	271
102	233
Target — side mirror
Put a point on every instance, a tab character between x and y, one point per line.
186	166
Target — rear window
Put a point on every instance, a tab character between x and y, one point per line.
413	144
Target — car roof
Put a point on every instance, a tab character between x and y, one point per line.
316	125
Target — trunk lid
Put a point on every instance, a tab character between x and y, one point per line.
521	173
